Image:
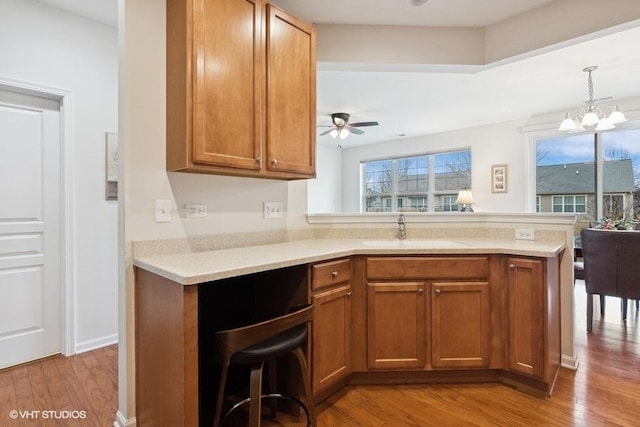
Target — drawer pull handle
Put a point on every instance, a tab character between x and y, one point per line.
274	161
349	293
512	267
334	273
420	291
437	291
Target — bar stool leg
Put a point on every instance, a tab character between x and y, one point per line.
304	374
255	391
220	399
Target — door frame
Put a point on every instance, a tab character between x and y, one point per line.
67	225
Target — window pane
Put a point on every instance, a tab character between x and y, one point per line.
412	174
621	173
377	177
453	170
565	176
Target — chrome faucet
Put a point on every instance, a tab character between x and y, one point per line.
403	228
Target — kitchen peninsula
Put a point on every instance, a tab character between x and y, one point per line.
472	309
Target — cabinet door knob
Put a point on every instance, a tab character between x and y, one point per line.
437	291
349	293
512	267
259	160
420	291
334	273
274	161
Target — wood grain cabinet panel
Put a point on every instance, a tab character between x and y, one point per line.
460	324
396	323
240	88
331	339
527	326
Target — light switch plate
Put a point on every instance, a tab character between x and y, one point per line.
163	210
272	210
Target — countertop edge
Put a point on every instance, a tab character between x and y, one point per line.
167	266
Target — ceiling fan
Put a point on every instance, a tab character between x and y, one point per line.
341	127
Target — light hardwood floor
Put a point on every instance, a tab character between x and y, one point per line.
604	391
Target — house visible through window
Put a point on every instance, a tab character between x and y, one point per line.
568	172
424	183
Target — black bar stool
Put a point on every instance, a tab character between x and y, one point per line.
259	343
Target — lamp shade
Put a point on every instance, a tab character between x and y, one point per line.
617	117
465	197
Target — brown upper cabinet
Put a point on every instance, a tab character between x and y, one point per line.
241	89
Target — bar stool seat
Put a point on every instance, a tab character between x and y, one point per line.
259	343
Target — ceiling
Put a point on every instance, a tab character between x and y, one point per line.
444	13
420	103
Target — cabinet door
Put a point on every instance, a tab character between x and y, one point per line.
526	316
228	83
396	325
291	94
331	337
460	324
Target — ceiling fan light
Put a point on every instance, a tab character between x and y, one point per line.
604	124
589	119
617	117
334	133
344	133
567	124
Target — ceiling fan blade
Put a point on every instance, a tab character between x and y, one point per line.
355	131
326	132
362	124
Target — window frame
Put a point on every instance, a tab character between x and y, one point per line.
429	194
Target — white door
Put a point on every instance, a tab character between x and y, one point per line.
30	228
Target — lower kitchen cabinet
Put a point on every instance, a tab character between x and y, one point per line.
460	324
331	338
396	324
527	326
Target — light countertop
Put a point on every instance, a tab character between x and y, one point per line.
200	267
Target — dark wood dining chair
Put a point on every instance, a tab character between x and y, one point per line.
255	344
611	267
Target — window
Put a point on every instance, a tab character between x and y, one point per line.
449	203
570	177
613	206
577	204
423	183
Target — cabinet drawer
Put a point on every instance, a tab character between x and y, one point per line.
427	267
330	273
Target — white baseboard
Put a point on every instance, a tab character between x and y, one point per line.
121	421
96	343
570	362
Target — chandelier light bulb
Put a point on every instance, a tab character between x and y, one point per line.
344	133
334	133
604	124
589	119
617	116
567	124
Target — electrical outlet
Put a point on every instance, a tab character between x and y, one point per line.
163	210
195	211
525	234
272	210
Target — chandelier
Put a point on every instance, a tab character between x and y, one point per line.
600	117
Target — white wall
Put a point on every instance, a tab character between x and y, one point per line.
325	192
45	46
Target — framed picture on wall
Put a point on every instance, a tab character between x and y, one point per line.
499	178
112	166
